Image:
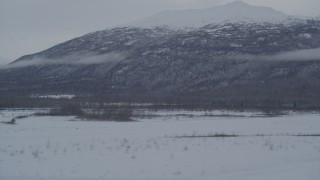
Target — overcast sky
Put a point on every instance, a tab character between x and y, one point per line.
29	26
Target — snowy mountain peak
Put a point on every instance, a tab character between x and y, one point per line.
232	12
237	4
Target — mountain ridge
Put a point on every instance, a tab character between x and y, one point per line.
234	11
230	62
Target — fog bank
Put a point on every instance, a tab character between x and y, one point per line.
74	59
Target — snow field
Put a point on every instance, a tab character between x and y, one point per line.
62	148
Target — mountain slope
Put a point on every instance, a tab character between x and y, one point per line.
232	12
229	62
232	54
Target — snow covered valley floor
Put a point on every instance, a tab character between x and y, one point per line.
178	145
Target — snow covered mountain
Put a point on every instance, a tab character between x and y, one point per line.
232	12
228	62
258	62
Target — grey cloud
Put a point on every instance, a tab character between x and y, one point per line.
74	59
299	55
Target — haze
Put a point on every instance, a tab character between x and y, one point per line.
30	26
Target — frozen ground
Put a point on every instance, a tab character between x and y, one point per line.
48	148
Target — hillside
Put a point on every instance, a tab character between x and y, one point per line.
236	62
